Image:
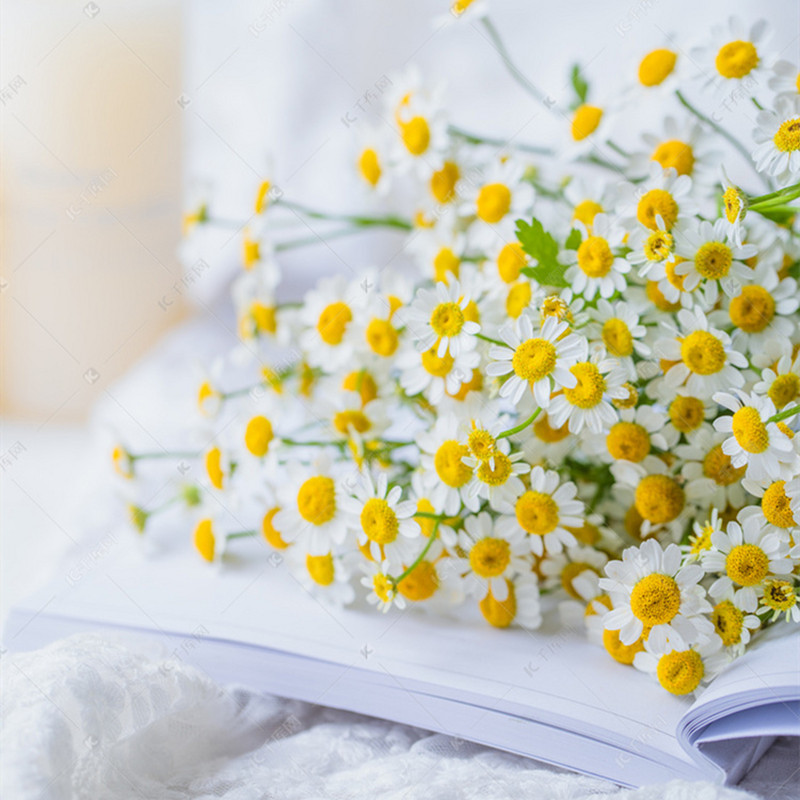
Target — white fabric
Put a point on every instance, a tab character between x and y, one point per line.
90	718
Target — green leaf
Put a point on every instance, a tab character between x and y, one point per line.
574	239
539	244
579	84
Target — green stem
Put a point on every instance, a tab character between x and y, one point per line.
475	138
294	443
614	146
780	194
429	515
757	104
420	557
165	454
240	535
309	240
354	219
521	427
489	339
718	128
785	414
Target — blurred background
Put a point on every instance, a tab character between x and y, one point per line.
116	115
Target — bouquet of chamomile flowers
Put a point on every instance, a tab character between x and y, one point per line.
582	383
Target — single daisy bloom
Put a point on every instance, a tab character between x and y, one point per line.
385	523
379	580
439	251
372	161
699	357
681	669
744	556
347	416
435	376
326	577
634	436
544	513
618	328
439	317
754	442
710	257
594	268
588	198
657	593
781	383
734	207
657	72
733	624
496	479
539	359
688	414
700	538
491	558
520	607
562	570
780	599
599	381
779	512
589	126
778	138
665	195
313	511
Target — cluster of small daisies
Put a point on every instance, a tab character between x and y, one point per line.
582	387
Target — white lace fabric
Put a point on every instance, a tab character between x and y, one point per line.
95	718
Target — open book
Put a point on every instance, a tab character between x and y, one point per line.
550	694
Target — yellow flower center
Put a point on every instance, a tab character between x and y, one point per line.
736	59
426	524
586	534
510	261
787	139
779	595
628	441
264	317
657	202
271	533
728	622
494	202
627	402
438	367
316	500
570	572
251	252
320	568
784	389
753	309
257	436
623	653
497	475
658	246
416	135
262	197
776	506
747	565
595	257
703	353
206	395
519	298
362	382
379	521
443	182
585	121
656	297
421	583
204	540
656	66
590	387
659	499
749	430
382	337
382	587
214	467
686	413
489	557
534	359
617	337
369	166
445	264
333	321
537	513
460	6
554	306
680	672
713	260
447	319
546	433
351	420
676	154
449	466
655	599
500	614
586	211
701	541
732	200
481	444
718	467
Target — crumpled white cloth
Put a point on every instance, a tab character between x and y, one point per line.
94	717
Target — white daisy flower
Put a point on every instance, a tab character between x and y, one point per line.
588	198
537	359
734	207
657	593
619	330
778	138
567	570
733	624
492	558
496	479
594	268
664	194
782	382
600	380
385	523
711	258
426	372
383	592
347	416
326	577
780	599
744	556
439	251
703	359
657	73
438	317
785	80
634	436
687	414
313	513
754	441
425	511
544	512
589	126
521	606
700	538
372	160
682	669
778	512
